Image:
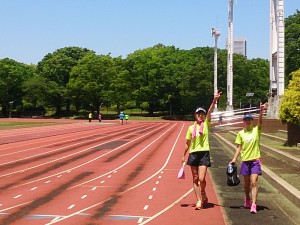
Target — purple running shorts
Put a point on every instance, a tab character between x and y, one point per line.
251	167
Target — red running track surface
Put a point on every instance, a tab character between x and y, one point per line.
91	173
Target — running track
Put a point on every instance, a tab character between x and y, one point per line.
90	173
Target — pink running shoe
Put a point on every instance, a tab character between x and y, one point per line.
253	208
247	203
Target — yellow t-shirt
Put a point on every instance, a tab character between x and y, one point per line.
200	142
249	140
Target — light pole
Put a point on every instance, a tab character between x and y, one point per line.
215	33
10	108
100	107
250	95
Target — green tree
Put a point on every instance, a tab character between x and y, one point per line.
90	81
40	93
12	76
148	69
292	44
196	78
290	104
250	76
34	91
119	91
56	67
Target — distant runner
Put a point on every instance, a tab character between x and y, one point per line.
126	118
121	116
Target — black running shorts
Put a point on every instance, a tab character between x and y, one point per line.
199	159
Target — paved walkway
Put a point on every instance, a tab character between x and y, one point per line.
273	207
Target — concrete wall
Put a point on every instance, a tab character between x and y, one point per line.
272	126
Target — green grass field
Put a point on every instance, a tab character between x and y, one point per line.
6	125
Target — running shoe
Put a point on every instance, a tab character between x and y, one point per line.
198	205
204	198
253	208
247	203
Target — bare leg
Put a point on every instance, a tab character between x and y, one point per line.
202	175
196	182
247	186
254	187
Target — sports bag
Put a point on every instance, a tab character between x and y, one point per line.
232	175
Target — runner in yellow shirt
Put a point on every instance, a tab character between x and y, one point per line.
248	146
197	143
126	118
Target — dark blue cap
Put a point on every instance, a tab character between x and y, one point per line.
248	116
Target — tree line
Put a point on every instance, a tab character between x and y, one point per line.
160	78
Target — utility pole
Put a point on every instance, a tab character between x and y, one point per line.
276	57
230	57
215	33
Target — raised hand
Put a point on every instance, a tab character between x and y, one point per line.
264	106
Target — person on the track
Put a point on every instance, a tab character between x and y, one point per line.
248	146
126	118
90	117
197	143
121	116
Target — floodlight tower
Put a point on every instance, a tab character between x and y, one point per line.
276	57
215	33
229	106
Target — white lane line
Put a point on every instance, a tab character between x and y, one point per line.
29	149
15	206
146	207
83	197
150	197
140	220
18	196
124	164
167	208
157	182
83	164
102	182
32	189
47	182
56	218
71	206
59	176
137	185
94	188
109	176
154	189
159	177
68	156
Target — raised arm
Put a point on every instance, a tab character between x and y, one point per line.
261	110
212	105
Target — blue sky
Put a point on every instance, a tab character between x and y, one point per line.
30	29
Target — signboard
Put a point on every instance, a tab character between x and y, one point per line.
249	94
